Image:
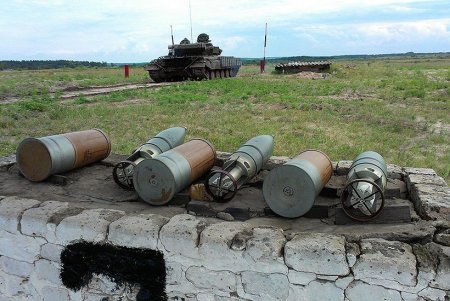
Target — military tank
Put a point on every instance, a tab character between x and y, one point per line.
194	61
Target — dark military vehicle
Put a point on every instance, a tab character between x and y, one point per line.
195	61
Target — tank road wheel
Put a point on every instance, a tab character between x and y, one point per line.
123	174
222	74
212	74
228	72
351	200
225	73
221	185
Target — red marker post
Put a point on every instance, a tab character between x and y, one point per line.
127	71
262	64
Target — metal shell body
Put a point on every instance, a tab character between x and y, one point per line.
167	139
39	158
162	142
290	190
251	156
363	196
158	179
370	165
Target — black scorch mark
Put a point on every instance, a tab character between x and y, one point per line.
122	265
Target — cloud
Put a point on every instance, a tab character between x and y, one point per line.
140	29
231	42
382	32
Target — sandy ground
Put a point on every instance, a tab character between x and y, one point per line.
91	91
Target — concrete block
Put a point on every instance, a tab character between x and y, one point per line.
7	161
222	244
37	221
395	172
433	294
442	254
358	291
52	252
51	293
11	285
414	179
344	282
179	296
343	167
104	285
174	272
205	297
302	278
317	253
327	278
90	225
422	171
266	244
431	201
264	249
227	298
265	286
137	231
443	238
181	234
11	209
409	296
15	267
212	280
48	271
353	252
323	291
20	247
386	260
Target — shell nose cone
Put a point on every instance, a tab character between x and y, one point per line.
173	136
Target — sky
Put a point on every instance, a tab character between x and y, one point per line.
132	31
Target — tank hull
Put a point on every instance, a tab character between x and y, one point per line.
172	68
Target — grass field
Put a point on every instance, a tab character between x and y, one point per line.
397	107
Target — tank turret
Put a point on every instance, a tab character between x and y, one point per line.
195	61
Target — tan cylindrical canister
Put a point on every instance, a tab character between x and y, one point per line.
320	160
90	146
290	190
39	158
200	154
158	179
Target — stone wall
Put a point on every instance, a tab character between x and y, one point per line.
211	259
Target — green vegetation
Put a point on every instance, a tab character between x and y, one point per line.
398	107
15	83
48	64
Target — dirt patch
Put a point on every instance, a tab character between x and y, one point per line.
440	128
272	106
73	91
311	75
350	95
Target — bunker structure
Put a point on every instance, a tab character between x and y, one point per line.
193	61
300	228
296	67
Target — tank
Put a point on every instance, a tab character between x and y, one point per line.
194	61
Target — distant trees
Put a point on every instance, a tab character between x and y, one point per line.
48	64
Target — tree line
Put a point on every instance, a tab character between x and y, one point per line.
276	60
48	64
